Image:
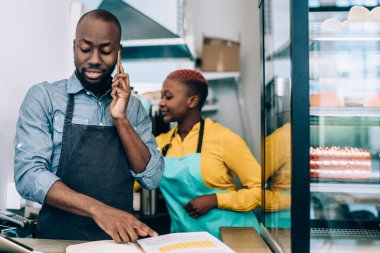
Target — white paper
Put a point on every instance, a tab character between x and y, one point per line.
103	247
192	242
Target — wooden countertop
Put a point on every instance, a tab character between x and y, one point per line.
244	240
241	240
47	246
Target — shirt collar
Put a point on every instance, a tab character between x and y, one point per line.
75	86
196	127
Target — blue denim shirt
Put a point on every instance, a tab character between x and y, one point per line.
39	134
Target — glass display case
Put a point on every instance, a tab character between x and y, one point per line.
345	122
321	125
285	133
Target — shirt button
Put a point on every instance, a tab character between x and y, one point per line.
100	103
88	93
101	123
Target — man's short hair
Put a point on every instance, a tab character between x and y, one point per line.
102	15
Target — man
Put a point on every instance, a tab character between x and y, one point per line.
81	142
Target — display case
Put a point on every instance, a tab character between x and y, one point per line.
345	122
285	126
320	125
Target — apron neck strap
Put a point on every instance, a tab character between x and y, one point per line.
69	109
200	139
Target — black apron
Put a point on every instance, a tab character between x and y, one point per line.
92	162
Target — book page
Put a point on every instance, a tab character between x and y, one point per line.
193	242
104	246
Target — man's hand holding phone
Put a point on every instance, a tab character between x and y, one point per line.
121	92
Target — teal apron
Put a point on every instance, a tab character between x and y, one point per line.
182	181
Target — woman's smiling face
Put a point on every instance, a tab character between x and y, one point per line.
174	100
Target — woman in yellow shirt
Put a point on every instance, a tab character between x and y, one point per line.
201	157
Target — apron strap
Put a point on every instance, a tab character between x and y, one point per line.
69	110
200	139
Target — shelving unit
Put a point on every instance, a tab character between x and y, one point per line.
345	64
345	188
220	75
210	108
345	112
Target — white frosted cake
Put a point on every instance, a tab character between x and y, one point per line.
340	163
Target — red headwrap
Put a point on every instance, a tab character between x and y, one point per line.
187	75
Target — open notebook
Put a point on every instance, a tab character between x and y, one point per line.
193	242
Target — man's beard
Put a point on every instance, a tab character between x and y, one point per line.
97	87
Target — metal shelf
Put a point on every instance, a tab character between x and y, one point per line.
221	75
345	36
210	108
345	188
345	111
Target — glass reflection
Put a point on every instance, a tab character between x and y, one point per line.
277	141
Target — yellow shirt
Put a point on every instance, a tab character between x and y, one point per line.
223	153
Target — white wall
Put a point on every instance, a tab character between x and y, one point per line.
250	72
36	46
219	18
235	20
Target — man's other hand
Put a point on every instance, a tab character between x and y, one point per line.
122	226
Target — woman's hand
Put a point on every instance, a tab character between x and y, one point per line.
201	205
121	92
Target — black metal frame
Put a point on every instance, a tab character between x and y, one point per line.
262	98
300	202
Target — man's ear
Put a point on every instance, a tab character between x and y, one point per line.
74	45
193	101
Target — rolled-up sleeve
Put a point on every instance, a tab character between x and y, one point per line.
34	147
150	178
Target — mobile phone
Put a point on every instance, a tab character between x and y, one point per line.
118	64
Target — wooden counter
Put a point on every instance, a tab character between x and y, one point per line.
47	246
242	240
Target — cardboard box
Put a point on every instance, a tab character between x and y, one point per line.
220	55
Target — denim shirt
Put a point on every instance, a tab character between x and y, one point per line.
39	134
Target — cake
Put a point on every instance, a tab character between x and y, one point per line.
340	163
374	101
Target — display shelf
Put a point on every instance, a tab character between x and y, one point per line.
345	36
337	43
369	84
345	111
345	188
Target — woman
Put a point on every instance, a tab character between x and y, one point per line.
200	157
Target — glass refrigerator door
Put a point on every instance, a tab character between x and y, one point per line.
345	122
276	89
